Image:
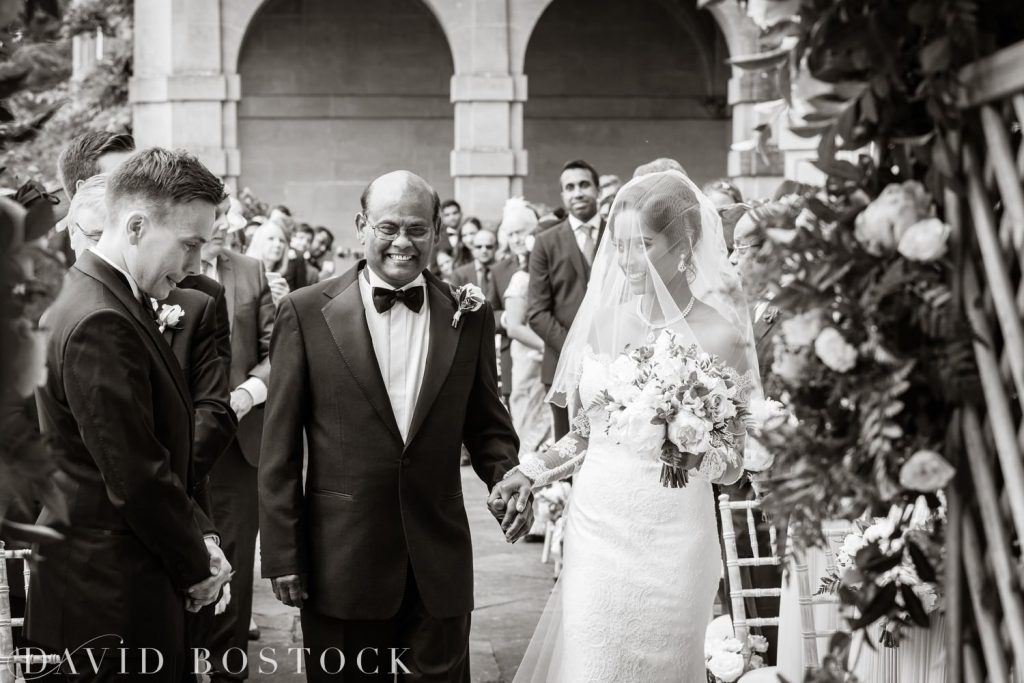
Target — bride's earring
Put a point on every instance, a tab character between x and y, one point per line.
687	269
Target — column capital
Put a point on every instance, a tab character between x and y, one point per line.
752	86
488	88
751	163
185	88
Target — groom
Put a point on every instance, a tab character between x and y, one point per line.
375	548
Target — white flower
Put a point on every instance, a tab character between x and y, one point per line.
882	530
767	414
848	552
469	298
926	471
768	13
727	666
720	407
788	365
170	317
802	329
880	226
689	433
834	351
756	458
635	428
928	596
925	240
758	643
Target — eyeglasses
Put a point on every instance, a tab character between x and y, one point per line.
91	236
744	246
489	247
389	232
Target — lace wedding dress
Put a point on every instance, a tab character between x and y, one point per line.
642	562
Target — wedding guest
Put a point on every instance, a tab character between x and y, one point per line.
657	166
451	221
526	400
301	241
463	252
137	537
233	477
610	185
269	246
445	265
493	277
722	193
320	255
560	268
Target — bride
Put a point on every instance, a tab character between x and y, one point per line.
642	562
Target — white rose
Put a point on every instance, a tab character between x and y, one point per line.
834	351
636	429
801	330
788	365
928	596
925	240
756	458
881	530
721	408
727	666
689	433
926	471
882	223
758	643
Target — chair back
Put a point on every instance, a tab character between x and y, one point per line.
810	598
11	663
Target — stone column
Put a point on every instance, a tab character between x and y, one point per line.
488	162
755	175
180	95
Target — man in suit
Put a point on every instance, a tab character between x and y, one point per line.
493	278
375	548
559	271
233	476
139	550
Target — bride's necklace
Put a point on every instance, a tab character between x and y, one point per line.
689	306
651	336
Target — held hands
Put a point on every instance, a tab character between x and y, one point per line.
511	503
241	402
206	592
290	590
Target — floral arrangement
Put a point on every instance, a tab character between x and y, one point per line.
871	355
885	568
724	657
680	400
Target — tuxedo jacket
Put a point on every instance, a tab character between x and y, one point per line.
195	347
501	272
558	283
251	316
763	328
118	410
373	505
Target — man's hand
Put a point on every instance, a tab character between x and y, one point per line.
206	592
241	402
290	590
511	503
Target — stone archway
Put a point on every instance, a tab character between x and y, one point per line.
335	92
595	95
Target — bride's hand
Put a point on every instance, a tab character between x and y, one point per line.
511	504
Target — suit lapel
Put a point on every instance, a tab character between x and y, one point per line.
226	274
444	341
573	249
346	319
95	267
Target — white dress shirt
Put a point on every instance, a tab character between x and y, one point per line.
254	386
400	339
136	292
581	230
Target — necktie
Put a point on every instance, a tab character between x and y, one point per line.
384	298
487	284
589	246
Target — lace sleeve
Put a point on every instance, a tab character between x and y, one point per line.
561	460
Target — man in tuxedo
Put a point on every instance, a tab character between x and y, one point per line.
233	476
375	548
493	278
139	550
560	269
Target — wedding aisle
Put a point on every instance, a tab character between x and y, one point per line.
511	589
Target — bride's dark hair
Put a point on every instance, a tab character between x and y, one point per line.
676	213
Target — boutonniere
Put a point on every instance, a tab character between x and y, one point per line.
169	317
770	313
470	298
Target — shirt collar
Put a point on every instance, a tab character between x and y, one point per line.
576	223
377	281
136	292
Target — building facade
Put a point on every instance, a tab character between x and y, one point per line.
304	101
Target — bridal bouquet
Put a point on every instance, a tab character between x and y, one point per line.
681	400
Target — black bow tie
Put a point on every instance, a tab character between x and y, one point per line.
384	298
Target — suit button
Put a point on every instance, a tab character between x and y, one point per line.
406	461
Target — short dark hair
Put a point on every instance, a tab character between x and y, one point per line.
364	200
321	230
283	209
161	177
451	202
304	227
78	160
580	163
